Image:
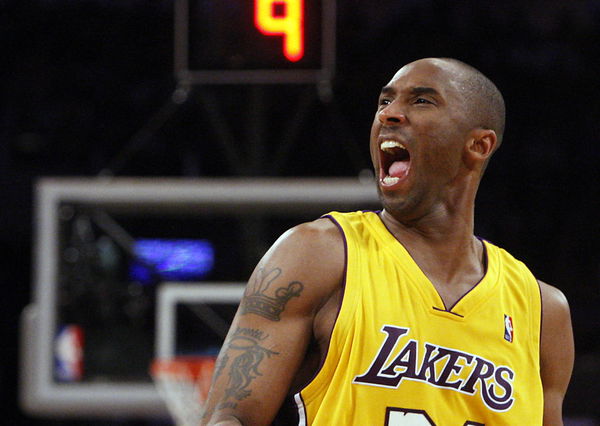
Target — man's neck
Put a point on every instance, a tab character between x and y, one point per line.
445	250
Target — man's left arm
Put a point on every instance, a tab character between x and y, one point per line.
557	352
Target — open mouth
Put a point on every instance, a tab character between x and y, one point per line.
395	162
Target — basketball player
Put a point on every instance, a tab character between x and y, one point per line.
403	316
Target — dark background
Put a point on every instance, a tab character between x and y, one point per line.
80	78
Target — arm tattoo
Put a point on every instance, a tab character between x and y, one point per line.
219	366
244	367
263	301
224	358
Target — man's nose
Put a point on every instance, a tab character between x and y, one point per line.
391	115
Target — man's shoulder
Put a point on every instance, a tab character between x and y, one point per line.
321	233
553	299
312	252
507	258
322	227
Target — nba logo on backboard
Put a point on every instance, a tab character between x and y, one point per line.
68	353
508	329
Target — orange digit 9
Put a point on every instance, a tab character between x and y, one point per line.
282	17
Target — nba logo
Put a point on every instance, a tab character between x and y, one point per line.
68	354
508	329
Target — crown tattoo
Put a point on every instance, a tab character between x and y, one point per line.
258	301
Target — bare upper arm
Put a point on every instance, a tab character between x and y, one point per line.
557	351
274	323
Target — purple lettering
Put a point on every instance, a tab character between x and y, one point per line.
428	364
483	369
505	401
406	359
452	367
372	375
493	383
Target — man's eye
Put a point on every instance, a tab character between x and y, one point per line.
384	101
422	101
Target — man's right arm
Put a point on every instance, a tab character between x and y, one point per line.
271	331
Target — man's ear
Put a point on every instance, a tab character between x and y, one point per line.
480	146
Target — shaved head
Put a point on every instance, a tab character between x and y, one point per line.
483	101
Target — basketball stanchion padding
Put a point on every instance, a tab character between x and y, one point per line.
183	382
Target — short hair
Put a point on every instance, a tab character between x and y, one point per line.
484	102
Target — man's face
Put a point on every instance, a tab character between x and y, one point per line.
417	137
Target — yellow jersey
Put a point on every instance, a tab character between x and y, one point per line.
398	356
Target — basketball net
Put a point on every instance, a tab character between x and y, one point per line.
183	383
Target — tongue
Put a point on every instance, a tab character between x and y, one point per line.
398	169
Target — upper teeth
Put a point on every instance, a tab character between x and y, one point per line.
391	145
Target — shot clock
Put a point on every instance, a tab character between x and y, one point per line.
254	41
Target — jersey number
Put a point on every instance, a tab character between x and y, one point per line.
407	417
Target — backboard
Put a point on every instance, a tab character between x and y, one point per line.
90	333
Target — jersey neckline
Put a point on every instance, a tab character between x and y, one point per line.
468	302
